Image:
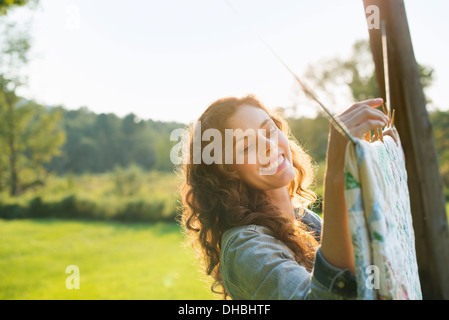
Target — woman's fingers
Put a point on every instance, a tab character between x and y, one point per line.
363	113
363	116
360	130
362	119
373	103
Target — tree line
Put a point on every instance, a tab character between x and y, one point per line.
80	141
97	143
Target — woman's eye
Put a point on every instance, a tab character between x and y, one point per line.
249	147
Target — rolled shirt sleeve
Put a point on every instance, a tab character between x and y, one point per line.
339	283
257	266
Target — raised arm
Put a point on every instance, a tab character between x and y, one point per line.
336	245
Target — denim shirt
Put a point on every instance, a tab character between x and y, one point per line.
257	266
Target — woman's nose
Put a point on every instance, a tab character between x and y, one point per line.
268	147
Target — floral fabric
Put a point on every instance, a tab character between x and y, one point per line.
380	221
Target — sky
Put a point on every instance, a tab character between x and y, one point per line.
168	60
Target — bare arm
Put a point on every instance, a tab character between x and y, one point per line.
336	244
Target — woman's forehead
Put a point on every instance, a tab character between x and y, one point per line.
246	117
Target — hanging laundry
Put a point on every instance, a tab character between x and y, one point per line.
380	221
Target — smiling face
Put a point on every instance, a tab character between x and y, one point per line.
272	167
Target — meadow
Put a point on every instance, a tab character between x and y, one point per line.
119	228
115	261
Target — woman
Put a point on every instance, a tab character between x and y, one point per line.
255	233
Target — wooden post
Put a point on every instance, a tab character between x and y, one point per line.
415	130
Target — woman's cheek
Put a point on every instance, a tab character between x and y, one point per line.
248	174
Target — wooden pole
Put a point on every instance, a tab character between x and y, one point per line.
415	130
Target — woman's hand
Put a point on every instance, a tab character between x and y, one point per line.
360	118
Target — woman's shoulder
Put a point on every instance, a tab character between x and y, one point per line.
245	232
253	261
250	238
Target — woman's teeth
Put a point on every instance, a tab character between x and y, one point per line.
272	168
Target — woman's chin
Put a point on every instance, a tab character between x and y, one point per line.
287	178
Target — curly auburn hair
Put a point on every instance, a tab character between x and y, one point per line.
215	199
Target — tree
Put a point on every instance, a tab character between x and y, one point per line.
13	54
356	73
29	134
312	134
440	125
7	4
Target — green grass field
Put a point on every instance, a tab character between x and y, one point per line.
116	261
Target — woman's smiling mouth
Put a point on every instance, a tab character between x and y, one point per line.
274	166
